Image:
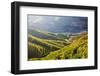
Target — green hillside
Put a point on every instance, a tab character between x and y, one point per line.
43	34
77	49
38	47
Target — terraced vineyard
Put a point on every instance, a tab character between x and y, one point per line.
48	46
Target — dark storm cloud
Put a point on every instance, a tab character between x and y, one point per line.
58	23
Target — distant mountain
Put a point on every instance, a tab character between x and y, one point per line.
43	34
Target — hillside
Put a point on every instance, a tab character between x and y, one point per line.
43	34
76	50
38	47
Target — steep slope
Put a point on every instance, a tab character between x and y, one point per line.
38	47
78	49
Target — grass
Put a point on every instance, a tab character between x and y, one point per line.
77	49
38	47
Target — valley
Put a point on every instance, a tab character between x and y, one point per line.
44	45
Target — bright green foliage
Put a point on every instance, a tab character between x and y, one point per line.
41	47
43	34
41	42
77	49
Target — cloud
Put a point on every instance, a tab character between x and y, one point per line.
56	18
58	23
52	23
38	20
35	20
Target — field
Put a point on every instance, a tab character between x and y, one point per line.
43	45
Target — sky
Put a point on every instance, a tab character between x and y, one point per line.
57	24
